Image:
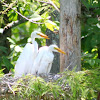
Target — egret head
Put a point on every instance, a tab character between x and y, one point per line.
55	48
37	34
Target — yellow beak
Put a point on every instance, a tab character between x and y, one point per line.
59	50
43	35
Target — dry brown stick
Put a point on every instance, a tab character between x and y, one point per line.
10	88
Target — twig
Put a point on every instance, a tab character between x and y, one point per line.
26	17
54	5
69	65
43	2
8	74
10	87
50	3
25	86
13	24
8	7
22	15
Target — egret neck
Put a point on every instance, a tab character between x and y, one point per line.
35	45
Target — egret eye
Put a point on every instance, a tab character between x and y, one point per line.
37	33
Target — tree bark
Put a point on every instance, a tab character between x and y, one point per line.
70	35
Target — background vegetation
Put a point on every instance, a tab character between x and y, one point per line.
19	18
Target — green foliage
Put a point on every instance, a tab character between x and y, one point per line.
4	60
7	63
31	87
84	85
90	33
1	73
90	60
3	49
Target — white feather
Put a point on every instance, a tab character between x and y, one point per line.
25	61
43	62
44	59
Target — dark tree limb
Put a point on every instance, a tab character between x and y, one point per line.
13	24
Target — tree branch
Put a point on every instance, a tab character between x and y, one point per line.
54	5
50	3
22	15
17	22
10	88
13	24
8	7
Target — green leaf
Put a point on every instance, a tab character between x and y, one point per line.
7	63
92	21
85	3
51	25
11	40
1	72
3	49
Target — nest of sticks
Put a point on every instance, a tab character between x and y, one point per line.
8	81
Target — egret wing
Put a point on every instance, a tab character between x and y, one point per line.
37	61
49	67
23	61
45	65
46	62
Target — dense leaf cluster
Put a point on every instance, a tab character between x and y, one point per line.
90	27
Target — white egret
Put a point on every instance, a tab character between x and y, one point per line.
26	58
43	62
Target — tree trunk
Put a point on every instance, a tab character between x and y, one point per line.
70	35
